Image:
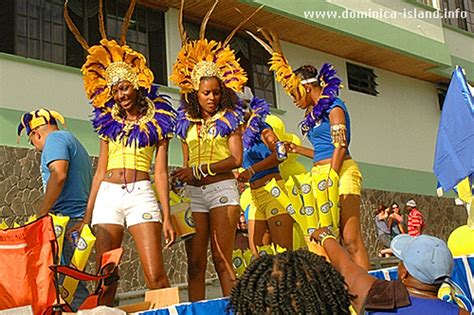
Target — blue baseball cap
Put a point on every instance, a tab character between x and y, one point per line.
426	258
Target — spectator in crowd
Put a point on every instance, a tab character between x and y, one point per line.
383	231
66	172
416	222
292	282
425	262
395	221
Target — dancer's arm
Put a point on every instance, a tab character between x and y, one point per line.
233	161
357	279
162	188
336	117
269	138
299	149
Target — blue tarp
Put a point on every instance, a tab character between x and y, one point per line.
454	153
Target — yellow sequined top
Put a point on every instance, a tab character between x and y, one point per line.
207	149
121	156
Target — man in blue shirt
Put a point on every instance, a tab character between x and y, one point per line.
66	172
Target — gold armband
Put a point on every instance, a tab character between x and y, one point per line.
338	135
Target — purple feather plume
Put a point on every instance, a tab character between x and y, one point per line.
330	88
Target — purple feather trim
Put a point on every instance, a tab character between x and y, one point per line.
106	126
230	121
330	90
256	124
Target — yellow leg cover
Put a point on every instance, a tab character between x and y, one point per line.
238	262
292	187
327	198
266	250
60	224
306	188
247	257
281	197
79	261
298	237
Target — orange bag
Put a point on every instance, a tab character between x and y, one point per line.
25	256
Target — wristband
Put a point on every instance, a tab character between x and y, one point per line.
251	170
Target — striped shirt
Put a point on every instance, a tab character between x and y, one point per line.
415	222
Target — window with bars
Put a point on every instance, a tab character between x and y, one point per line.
459	13
36	29
252	57
361	79
40	29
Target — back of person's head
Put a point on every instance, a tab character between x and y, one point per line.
426	258
307	72
293	282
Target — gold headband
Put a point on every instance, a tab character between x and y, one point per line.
204	69
121	71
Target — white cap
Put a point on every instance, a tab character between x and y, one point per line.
411	203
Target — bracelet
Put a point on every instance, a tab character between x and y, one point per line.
204	175
324	235
209	170
196	173
327	237
251	170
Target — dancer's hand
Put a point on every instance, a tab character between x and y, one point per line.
169	233
244	176
75	228
184	174
291	147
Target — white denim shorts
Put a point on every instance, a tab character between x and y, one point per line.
207	197
115	205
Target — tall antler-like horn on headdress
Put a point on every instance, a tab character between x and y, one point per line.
126	21
229	37
72	27
103	34
278	63
182	31
203	58
202	30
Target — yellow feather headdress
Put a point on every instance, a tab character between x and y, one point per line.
207	58
278	63
110	62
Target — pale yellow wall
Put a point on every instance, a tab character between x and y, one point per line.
404	11
459	45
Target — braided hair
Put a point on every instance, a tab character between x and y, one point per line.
307	72
293	282
229	100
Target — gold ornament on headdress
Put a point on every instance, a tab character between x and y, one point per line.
110	62
278	63
202	58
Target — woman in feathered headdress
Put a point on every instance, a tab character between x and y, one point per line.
134	123
261	160
327	125
208	123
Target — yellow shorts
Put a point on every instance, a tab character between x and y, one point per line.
350	177
263	205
